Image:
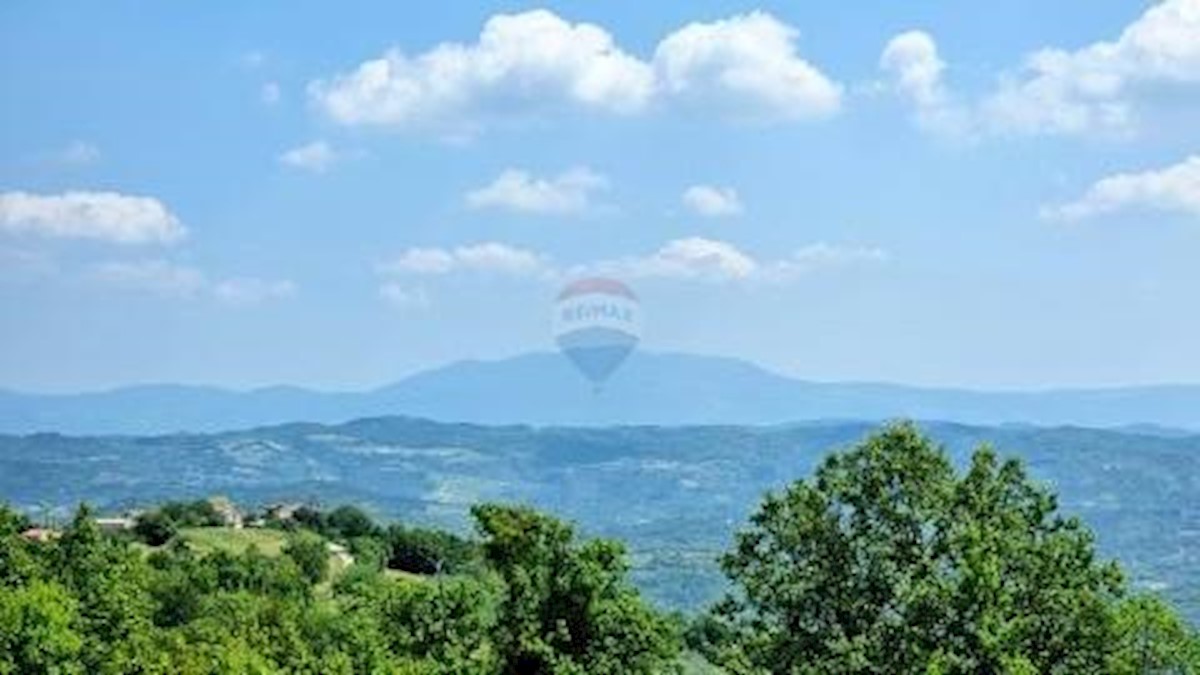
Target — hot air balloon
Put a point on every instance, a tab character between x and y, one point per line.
597	323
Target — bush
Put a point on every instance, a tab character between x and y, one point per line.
310	553
154	528
423	551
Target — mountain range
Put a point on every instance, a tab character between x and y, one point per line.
543	389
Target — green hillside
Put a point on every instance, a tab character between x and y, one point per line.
674	494
889	558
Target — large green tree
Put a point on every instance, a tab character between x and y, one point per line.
567	607
38	630
111	582
887	560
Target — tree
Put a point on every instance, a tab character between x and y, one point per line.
888	561
567	606
310	553
1151	638
348	522
198	513
423	551
37	630
154	528
110	581
17	561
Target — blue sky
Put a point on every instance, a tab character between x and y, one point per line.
332	195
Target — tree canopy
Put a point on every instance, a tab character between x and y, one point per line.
888	560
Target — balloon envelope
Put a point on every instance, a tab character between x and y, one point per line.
597	324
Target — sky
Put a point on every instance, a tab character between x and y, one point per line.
335	195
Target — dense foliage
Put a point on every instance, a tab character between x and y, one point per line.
673	495
886	560
88	602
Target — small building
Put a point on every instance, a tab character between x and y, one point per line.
41	534
229	513
284	512
120	524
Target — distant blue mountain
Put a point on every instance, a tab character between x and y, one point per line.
543	389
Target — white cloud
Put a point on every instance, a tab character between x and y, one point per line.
163	277
488	257
1175	188
568	193
912	57
912	60
1062	91
103	216
701	259
692	258
270	93
689	259
712	201
746	67
403	297
526	60
316	157
823	256
1093	89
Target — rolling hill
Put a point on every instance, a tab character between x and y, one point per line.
542	389
675	494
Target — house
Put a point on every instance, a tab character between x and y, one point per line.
229	513
284	513
119	524
41	534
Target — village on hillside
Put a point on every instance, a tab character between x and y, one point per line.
215	513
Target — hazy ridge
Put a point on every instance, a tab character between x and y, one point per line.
542	389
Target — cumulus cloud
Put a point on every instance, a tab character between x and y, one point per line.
711	201
701	259
103	216
1093	89
568	193
169	279
1175	188
746	66
691	259
912	60
523	60
488	257
317	157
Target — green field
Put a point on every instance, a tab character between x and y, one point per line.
210	539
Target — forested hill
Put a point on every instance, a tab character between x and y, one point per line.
542	388
675	494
